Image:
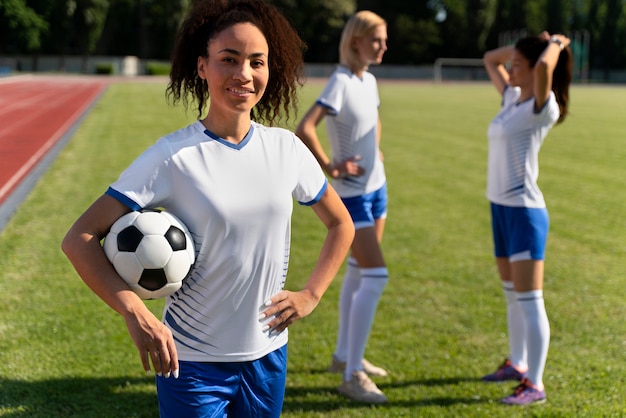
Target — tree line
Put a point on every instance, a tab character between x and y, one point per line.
419	30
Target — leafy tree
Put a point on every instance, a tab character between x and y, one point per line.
419	31
88	21
21	28
319	23
414	33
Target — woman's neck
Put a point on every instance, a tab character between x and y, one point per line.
231	129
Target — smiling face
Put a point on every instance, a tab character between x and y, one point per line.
236	70
372	46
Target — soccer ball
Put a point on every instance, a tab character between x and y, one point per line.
152	251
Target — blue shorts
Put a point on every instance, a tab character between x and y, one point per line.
519	233
245	389
365	209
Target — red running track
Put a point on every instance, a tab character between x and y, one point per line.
35	113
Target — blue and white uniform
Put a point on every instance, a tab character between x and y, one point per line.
237	201
352	106
519	215
515	137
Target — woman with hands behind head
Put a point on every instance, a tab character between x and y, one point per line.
350	104
221	348
535	96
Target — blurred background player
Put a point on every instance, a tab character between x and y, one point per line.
535	96
350	104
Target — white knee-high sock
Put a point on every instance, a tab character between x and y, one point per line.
364	304
537	333
515	325
351	282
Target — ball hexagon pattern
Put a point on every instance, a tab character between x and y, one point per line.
152	251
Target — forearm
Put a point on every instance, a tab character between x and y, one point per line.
86	255
498	56
312	142
333	252
494	61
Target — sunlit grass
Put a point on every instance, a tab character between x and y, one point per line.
440	324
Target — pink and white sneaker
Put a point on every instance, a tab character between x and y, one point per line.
525	394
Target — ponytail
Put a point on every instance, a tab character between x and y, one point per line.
532	47
561	79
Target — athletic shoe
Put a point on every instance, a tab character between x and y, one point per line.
361	388
506	371
525	394
339	366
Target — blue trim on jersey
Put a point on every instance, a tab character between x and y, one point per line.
123	199
330	110
222	141
318	197
514	189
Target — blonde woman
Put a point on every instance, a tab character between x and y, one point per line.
350	104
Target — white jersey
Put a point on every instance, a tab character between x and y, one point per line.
352	105
237	202
515	137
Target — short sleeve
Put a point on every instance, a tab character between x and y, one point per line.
312	182
146	181
332	96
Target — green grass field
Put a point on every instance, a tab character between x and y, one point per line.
440	324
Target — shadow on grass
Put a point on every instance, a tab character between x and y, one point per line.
136	397
78	397
326	399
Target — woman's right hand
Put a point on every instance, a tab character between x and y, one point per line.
154	341
347	167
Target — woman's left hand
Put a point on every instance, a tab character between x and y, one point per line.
285	308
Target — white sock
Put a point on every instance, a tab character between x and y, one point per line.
364	304
537	333
515	326
351	282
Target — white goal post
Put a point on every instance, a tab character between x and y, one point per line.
453	62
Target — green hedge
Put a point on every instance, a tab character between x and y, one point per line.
104	68
157	68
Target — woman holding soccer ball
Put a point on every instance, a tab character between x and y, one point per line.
221	348
350	105
535	96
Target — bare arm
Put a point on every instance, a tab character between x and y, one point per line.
82	247
379	132
544	68
494	61
307	132
292	306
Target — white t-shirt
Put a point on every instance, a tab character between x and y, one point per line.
515	137
237	202
352	125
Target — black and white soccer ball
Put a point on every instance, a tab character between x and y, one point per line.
152	251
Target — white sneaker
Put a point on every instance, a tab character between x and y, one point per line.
339	366
361	388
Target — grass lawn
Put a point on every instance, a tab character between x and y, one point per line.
441	322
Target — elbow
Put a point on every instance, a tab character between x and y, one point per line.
488	57
66	245
301	129
543	67
299	132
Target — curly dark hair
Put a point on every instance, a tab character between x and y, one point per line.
206	19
